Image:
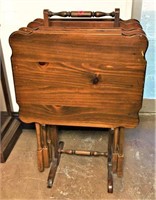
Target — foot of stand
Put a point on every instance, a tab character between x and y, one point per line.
53	167
52	173
109	164
114	155
110	183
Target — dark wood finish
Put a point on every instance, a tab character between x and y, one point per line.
10	129
6	118
5	91
55	140
116	15
79	71
52	173
49	143
54	166
10	138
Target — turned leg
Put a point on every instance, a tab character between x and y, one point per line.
121	153
55	140
58	146
109	164
39	148
45	147
115	150
49	143
115	155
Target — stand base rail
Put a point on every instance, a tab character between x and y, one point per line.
114	155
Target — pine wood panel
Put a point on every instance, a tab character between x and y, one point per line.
76	116
67	45
55	68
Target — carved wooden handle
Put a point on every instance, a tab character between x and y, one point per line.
48	14
81	14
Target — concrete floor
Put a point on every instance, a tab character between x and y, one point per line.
83	178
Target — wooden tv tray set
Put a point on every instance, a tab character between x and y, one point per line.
85	69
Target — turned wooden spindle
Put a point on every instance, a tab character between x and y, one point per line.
39	148
115	150
83	153
103	14
117	17
45	147
121	154
81	14
49	143
115	14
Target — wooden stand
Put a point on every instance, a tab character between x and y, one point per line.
79	71
47	140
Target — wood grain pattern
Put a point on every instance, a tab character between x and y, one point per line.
54	69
